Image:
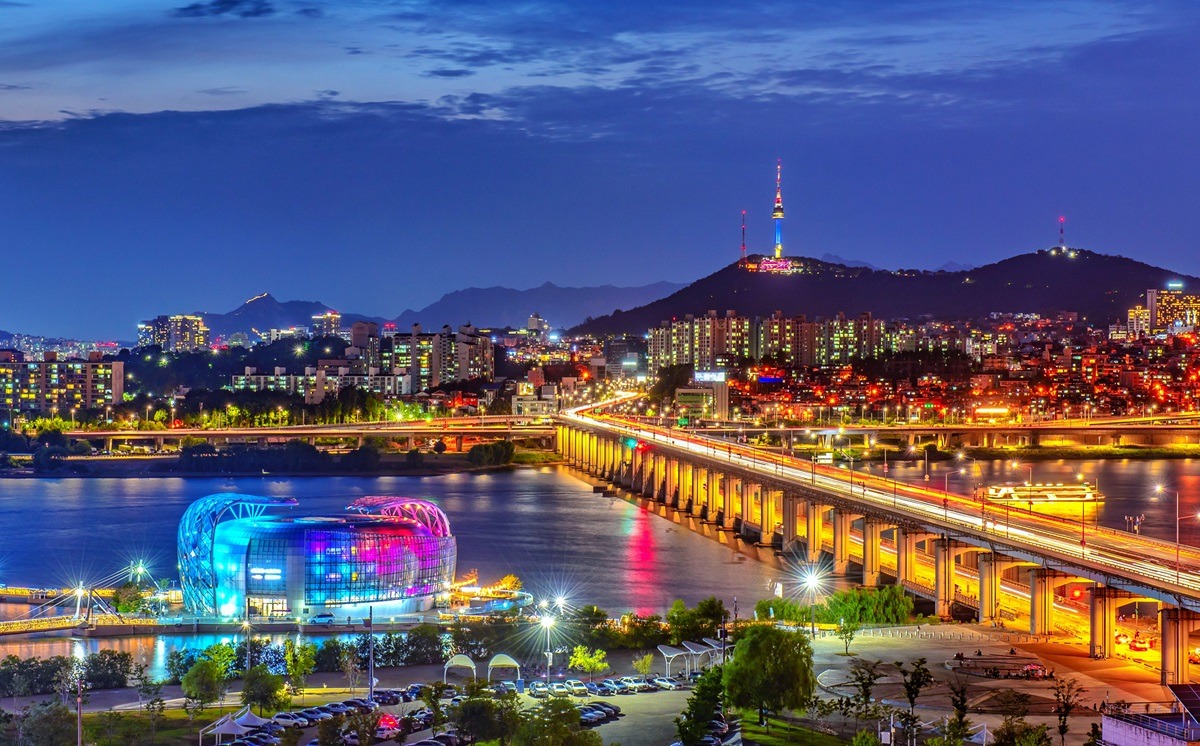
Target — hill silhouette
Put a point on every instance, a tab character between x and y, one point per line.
1100	287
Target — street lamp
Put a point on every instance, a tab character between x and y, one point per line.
812	583
246	632
1159	489
547	623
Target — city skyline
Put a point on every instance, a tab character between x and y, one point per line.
185	157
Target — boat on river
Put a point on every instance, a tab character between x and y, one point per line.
1038	493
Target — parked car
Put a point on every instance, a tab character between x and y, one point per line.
617	686
312	714
1139	644
662	682
291	720
602	712
589	717
577	687
325	618
538	689
1121	638
717	727
449	738
633	684
612	710
559	689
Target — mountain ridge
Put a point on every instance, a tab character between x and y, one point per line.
1099	287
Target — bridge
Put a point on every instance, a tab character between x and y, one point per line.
1015	559
458	430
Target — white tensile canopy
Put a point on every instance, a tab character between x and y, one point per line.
503	660
669	654
226	726
458	661
247	718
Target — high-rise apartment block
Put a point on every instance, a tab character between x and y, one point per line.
431	359
1172	308
328	324
53	387
179	333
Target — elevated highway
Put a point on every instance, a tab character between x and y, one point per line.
772	499
458	430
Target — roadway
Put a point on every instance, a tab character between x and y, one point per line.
1146	567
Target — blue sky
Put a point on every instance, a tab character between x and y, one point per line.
374	154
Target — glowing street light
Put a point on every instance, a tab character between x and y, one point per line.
812	580
547	624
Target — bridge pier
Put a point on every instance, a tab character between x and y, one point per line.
790	518
1042	583
872	535
1103	617
1177	626
841	540
944	552
814	516
906	554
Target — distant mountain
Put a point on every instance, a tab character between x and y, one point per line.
955	267
486	307
562	307
1097	286
835	259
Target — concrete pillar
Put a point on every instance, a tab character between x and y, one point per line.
841	541
990	570
872	534
1103	619
790	506
906	555
670	471
943	576
772	514
1177	625
1041	600
815	526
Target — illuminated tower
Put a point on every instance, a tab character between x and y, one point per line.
743	236
777	213
1062	241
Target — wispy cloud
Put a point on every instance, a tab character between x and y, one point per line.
239	8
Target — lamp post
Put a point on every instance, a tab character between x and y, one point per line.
246	631
812	581
1158	488
547	623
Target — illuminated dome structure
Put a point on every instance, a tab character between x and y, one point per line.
393	554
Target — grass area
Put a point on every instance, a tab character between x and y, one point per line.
782	733
1044	453
534	458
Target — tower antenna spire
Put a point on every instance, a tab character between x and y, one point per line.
743	236
1062	220
777	213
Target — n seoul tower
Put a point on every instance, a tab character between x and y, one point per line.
777	213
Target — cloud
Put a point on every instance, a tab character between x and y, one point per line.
240	8
327	94
448	73
14	87
226	90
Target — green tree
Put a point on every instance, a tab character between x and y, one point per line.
958	727
701	708
364	725
264	690
1067	695
554	722
108	724
644	664
771	670
915	680
423	646
865	738
204	683
1015	730
864	675
299	659
588	661
846	632
224	656
431	697
329	732
477	720
45	724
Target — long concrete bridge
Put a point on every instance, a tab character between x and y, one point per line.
458	431
793	505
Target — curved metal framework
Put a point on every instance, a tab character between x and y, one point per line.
197	531
421	511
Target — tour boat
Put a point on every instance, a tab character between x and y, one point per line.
1073	492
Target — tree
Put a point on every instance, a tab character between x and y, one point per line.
865	738
439	447
204	683
423	646
107	669
263	689
958	727
477	720
1015	730
555	721
109	723
364	725
644	664
588	661
1067	694
864	675
329	732
45	724
846	632
299	660
224	656
350	667
771	670
915	679
701	708
431	696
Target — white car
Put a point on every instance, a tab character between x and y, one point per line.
577	687
662	682
558	689
291	720
633	684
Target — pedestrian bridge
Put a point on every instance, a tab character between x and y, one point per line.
775	500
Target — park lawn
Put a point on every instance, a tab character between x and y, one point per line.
783	733
533	458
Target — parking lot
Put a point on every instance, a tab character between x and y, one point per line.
647	718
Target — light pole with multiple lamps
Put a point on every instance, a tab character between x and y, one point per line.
547	624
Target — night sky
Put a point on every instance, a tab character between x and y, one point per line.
165	157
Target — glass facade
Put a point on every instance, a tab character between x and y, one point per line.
264	566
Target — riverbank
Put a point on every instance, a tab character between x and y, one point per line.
390	465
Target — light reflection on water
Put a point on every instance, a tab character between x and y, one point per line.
544	525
